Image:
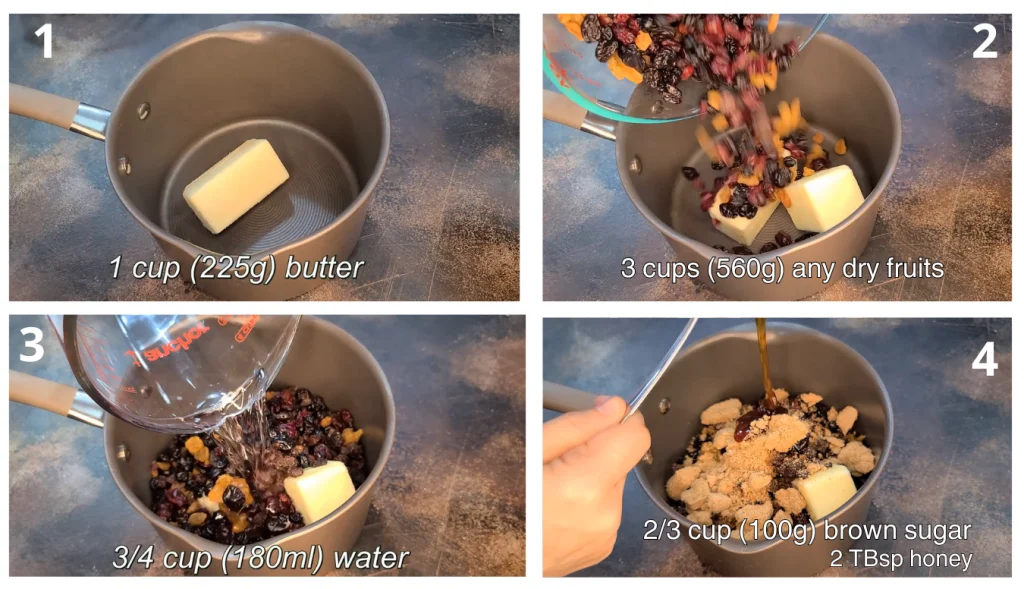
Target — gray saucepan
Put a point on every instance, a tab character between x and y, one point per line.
323	358
727	365
842	95
198	100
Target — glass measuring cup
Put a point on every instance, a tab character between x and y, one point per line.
175	373
571	66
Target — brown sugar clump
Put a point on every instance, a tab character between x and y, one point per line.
784	431
810	398
858	458
846	419
721	412
791	500
681	481
697	495
718	502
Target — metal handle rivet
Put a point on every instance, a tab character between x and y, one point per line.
143	110
124	167
635	165
123	453
664	405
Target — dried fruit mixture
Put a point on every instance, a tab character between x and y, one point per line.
738	60
743	463
195	487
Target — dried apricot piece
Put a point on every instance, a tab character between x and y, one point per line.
773	23
643	41
783	197
748	180
351	436
841	147
724	194
575	29
720	123
707	144
786	118
715	99
794	113
771	79
818	138
632	75
808	171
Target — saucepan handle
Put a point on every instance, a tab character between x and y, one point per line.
65	113
57	398
560	109
565	399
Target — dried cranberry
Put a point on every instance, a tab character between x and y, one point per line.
783	239
234	498
768	247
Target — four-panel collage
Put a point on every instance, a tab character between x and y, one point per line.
308	295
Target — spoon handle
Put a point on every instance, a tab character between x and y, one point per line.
662	367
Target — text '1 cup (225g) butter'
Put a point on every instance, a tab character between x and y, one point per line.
235	184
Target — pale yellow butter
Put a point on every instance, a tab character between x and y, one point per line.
742	229
825	491
320	490
235	184
824	200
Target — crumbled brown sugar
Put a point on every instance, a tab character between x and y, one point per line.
721	480
721	412
846	419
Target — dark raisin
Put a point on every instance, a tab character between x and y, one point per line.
789	160
605	50
768	247
234	498
591	28
672	94
819	164
740	191
804	236
690	173
717	165
742	250
729	210
782	177
748	210
295	517
278	524
720	248
783	239
633	57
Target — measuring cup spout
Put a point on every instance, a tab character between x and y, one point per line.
57	398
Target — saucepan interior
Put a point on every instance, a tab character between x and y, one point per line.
727	365
324	359
842	95
190	106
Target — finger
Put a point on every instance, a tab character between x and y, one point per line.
607	457
600	400
576	427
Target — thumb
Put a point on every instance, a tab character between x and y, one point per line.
572	429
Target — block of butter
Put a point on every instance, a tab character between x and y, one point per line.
825	491
742	229
822	201
235	184
320	490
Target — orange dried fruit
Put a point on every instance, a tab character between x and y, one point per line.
643	41
783	197
715	99
326	421
351	436
818	138
748	180
194	444
720	123
197	519
771	79
239	521
632	75
757	80
724	194
841	147
216	494
773	23
705	142
794	113
808	172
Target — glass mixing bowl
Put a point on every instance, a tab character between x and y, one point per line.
571	66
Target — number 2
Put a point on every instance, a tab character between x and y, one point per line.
980	52
33	344
986	359
46	32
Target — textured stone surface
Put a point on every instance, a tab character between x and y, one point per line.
950	459
948	200
453	491
443	223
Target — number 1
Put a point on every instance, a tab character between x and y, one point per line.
46	32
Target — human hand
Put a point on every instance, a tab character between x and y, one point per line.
587	456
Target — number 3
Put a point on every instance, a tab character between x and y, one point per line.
980	52
986	359
33	344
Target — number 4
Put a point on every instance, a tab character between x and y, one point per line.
46	32
986	360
